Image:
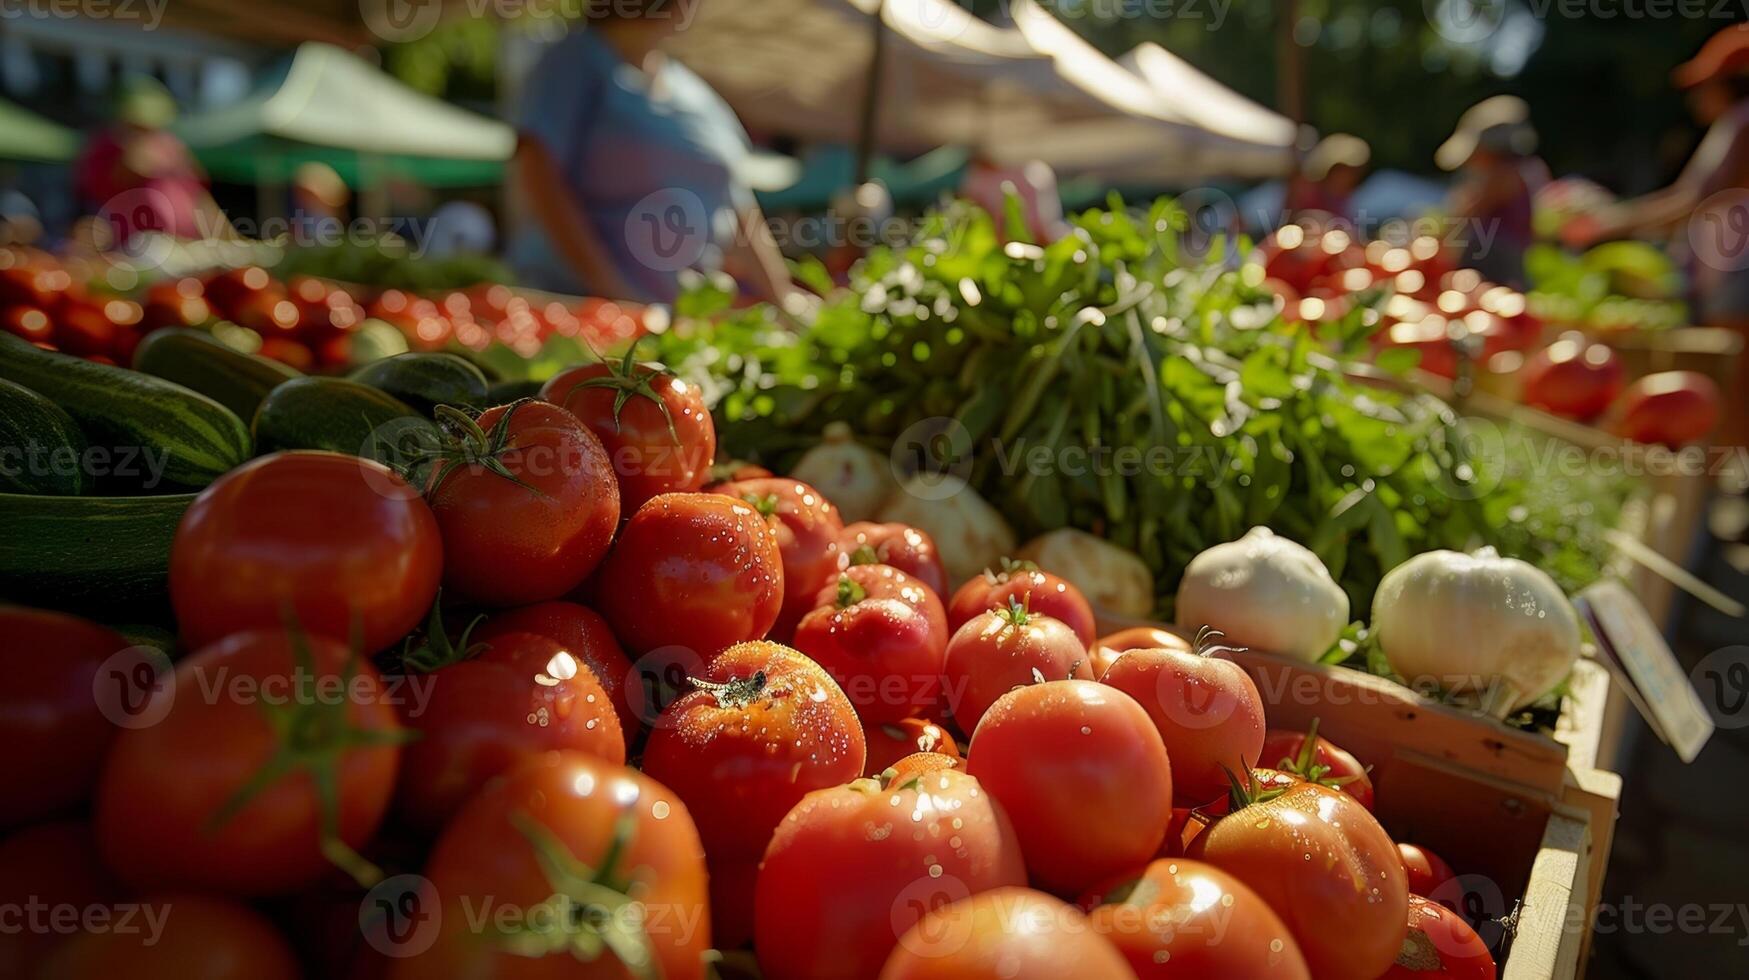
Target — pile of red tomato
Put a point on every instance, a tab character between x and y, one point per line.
1446	314
305	322
660	717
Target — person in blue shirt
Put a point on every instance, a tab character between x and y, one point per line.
626	169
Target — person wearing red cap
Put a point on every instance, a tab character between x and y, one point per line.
1717	82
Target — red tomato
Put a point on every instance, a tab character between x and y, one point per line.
335	538
922	764
696	571
228	290
1440	944
52	719
179	805
564	827
199	937
655	426
1670	407
1207	710
765	727
52	865
1062	757
908	848
1005	934
289	352
1039	592
1325	866
582	632
998	651
807	529
1426	870
1322	762
1182	918
889	742
518	696
28	322
1572	377
529	508
1108	648
901	546
884	643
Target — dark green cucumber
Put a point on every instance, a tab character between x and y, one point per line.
42	450
425	381
505	392
87	552
154	428
196	359
340	416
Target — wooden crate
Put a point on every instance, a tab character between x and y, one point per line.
1525	812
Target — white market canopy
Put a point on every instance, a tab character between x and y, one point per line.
801	67
1176	124
332	98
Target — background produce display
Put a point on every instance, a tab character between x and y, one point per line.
751	648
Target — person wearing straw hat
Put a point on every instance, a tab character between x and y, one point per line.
139	177
1717	82
1492	150
1327	178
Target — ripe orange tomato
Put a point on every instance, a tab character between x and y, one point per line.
1005	934
1207	710
586	636
658	434
1181	918
807	528
996	652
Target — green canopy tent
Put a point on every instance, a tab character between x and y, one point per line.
29	137
327	105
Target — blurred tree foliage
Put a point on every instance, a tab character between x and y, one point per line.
1397	73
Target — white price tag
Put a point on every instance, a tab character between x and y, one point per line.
1627	635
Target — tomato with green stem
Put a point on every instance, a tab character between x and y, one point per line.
1108	648
274	757
1041	592
591	870
911	550
658	433
697	572
481	709
807	527
1064	757
1316	759
1208	712
1005	934
54	729
884	642
525	499
1323	864
763	727
1000	650
585	634
1440	944
891	741
899	848
336	539
1182	918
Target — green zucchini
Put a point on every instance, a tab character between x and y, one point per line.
425	381
196	359
505	392
103	553
340	416
154	431
41	448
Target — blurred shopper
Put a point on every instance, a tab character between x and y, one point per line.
626	168
1717	81
319	199
988	184
1325	185
139	177
1493	151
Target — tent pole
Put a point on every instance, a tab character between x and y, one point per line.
865	137
1290	64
